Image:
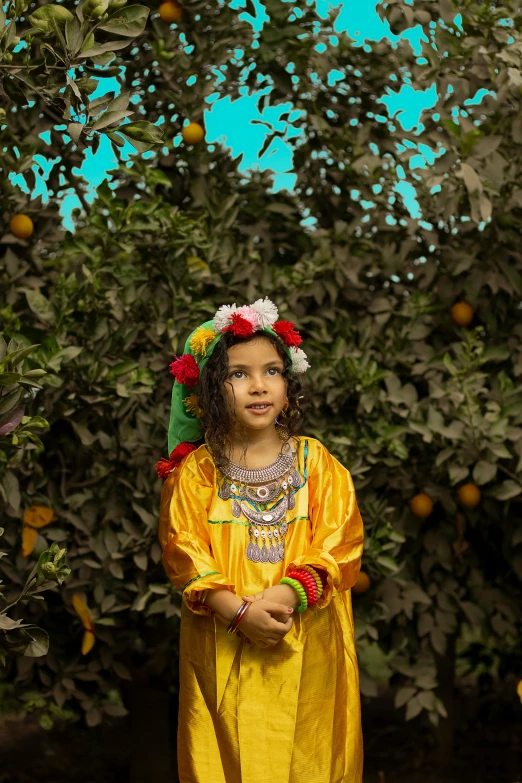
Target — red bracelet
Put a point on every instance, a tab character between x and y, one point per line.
308	583
232	628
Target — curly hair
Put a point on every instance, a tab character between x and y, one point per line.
218	418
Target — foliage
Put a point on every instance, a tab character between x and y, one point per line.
407	399
16	439
17	637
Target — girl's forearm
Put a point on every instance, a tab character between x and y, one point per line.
223	603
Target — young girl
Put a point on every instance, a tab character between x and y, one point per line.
261	532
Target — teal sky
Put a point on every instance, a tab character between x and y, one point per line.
243	139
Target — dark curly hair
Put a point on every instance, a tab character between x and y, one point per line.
218	418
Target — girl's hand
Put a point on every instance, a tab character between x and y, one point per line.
259	623
281	594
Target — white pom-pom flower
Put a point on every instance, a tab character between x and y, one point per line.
223	317
267	311
299	361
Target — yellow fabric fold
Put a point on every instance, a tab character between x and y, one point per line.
337	526
289	713
185	541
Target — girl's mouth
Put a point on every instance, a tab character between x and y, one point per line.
259	407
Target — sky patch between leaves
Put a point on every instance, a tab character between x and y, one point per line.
243	139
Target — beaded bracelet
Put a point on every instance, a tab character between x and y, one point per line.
308	583
300	590
317	578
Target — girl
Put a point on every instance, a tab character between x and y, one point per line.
261	532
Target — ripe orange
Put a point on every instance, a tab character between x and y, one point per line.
170	11
421	505
21	226
193	133
461	314
469	495
362	584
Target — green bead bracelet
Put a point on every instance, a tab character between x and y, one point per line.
286	580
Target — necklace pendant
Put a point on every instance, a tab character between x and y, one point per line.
236	508
291	501
225	490
296	478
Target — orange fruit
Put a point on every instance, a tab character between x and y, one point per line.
362	584
170	11
21	226
461	314
421	505
469	495
193	133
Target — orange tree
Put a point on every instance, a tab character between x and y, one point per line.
412	395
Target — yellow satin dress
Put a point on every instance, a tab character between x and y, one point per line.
285	714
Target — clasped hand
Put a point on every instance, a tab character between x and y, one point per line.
269	617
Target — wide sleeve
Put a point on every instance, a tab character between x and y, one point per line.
183	534
337	527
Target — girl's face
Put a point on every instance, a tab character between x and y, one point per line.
255	383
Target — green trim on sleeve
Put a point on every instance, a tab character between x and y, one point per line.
207	573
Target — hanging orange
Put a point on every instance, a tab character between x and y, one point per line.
193	133
461	314
21	226
421	505
469	495
170	11
362	584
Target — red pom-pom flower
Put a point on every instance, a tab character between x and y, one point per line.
185	369
286	331
240	327
165	466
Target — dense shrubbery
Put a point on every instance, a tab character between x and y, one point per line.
411	401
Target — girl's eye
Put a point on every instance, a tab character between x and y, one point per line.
240	372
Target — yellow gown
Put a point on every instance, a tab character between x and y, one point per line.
285	714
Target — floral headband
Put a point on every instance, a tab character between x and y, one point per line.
184	426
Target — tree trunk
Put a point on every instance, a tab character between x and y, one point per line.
445	692
150	751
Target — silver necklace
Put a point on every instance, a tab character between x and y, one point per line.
248	486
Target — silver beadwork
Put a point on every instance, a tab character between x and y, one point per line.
267	528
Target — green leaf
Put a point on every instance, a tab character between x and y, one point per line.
142	131
403	696
128	21
505	491
42	18
484	472
110	46
73	35
110	118
40	306
13	91
74	129
387	561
